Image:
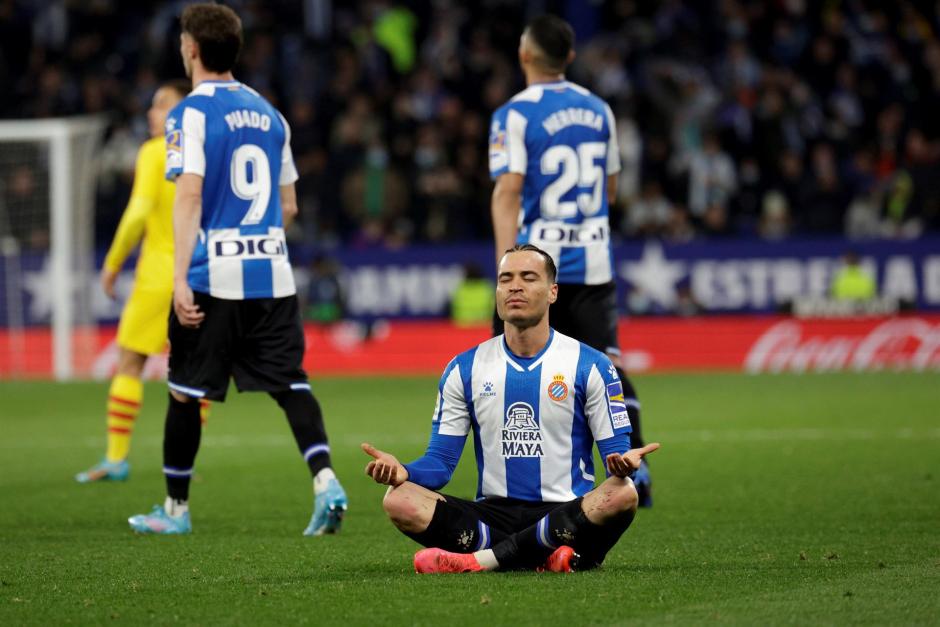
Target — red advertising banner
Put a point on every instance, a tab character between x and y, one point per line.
777	344
739	343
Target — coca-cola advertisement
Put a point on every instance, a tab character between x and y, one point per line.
779	344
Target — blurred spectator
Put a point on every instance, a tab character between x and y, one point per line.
775	216
473	301
852	281
324	302
712	181
650	214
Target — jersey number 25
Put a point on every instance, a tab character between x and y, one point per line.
251	180
578	168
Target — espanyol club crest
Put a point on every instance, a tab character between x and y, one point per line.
558	389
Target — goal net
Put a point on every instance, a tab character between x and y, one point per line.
47	266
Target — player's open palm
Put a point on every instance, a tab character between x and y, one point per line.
384	467
622	465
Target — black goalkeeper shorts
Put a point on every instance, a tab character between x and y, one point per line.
259	342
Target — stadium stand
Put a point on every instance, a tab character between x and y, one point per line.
736	118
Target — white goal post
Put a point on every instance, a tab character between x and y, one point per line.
60	154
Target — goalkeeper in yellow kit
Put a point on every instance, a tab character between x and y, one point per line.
142	332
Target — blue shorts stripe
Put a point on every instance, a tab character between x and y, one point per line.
300	386
188	391
542	531
315	450
484	534
177	472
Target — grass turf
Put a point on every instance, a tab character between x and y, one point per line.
779	499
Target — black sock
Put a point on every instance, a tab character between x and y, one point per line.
181	435
306	422
633	409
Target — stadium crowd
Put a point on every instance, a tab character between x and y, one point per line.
735	117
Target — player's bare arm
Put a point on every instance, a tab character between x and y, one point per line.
289	208
622	465
505	207
384	467
187	210
108	279
611	188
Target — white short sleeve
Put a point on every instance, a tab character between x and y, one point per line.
515	142
288	169
613	146
193	142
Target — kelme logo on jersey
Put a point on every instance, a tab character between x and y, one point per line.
558	389
618	405
487	390
521	434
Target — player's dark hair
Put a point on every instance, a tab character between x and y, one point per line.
550	268
554	37
179	85
218	31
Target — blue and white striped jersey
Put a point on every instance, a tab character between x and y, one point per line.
562	139
228	134
534	420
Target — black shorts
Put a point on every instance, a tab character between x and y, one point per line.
588	313
495	518
258	341
463	526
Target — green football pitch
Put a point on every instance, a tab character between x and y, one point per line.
783	499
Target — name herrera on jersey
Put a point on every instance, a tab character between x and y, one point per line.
570	116
251	119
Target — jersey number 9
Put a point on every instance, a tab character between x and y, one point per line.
251	180
578	168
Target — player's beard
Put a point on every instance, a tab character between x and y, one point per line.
522	321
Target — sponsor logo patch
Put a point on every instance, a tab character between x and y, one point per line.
521	435
499	157
617	405
174	150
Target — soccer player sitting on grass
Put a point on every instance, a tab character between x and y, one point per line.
148	220
536	401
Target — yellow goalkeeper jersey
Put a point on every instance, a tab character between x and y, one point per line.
149	215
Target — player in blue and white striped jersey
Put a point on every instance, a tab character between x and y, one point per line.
537	402
235	312
554	157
